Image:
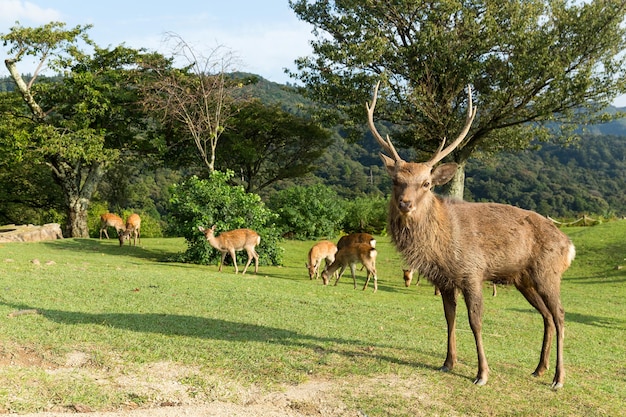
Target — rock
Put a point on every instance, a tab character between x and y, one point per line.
30	233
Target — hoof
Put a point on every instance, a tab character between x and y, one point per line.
444	368
480	382
557	385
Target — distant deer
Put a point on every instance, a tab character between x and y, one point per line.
353	238
133	228
323	250
349	256
232	241
457	245
111	220
408	277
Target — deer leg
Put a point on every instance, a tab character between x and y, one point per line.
474	301
449	308
233	255
552	301
256	261
343	268
536	301
222	262
369	275
250	257
353	270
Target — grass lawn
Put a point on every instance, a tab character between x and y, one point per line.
119	327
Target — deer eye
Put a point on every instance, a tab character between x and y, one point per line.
426	184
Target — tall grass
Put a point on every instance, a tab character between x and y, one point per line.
122	311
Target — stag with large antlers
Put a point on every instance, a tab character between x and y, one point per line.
457	245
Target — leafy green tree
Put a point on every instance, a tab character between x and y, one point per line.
266	144
213	201
308	212
366	214
81	124
528	62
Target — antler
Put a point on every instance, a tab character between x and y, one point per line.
385	144
471	113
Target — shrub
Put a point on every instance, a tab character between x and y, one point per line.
366	214
197	202
308	212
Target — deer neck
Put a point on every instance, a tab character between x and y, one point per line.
424	239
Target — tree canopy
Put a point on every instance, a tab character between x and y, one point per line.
267	144
528	62
80	123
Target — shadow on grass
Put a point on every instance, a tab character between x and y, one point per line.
218	329
106	247
588	319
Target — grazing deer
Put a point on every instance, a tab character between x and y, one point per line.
133	227
232	241
323	250
350	255
408	277
457	245
111	220
353	238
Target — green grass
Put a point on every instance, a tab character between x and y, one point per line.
129	315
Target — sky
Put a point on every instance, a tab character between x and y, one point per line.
265	36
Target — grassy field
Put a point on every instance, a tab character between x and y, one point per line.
102	327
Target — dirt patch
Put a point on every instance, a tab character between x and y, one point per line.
171	390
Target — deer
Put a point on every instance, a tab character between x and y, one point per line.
133	227
111	220
457	245
353	238
349	256
323	250
408	277
232	241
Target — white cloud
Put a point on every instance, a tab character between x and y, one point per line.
25	12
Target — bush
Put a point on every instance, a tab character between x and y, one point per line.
308	212
366	214
197	202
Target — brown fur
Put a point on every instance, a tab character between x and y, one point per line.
354	238
349	256
133	228
111	220
232	241
322	250
458	245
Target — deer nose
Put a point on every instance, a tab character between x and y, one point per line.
404	205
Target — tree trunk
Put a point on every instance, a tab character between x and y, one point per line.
77	217
78	186
456	186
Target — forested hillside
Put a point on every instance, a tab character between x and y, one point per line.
587	178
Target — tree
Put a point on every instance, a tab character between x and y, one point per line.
81	122
528	62
267	144
198	96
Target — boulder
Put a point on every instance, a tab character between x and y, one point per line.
30	233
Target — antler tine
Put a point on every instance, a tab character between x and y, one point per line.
471	113
385	144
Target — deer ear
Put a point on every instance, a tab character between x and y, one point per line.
200	228
444	173
389	163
